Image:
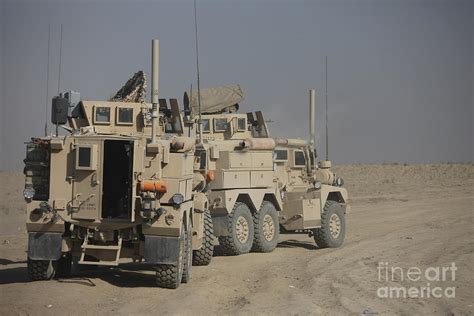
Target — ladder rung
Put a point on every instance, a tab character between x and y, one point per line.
100	263
86	246
102	247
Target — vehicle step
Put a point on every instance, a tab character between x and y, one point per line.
99	263
101	247
86	246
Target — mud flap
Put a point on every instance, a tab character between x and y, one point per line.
44	246
161	249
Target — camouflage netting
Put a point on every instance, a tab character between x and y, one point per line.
215	100
134	90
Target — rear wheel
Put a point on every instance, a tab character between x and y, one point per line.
39	270
170	275
203	256
65	268
240	230
188	254
333	226
266	226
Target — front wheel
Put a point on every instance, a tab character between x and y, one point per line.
333	226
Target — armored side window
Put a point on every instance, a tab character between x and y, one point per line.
280	155
101	115
220	125
299	158
86	157
206	125
241	125
125	116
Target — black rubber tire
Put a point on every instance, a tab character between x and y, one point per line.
39	270
260	243
322	236
169	275
64	269
203	256
231	244
188	256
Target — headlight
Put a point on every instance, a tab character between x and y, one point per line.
177	199
29	193
339	182
317	185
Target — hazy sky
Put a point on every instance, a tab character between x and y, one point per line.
400	72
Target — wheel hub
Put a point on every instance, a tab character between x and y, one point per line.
334	225
242	229
268	227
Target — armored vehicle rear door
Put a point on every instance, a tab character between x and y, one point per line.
86	185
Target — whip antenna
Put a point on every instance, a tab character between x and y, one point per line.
197	71
47	86
326	95
60	58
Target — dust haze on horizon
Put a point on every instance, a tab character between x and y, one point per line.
400	76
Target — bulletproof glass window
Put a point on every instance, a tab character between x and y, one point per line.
125	116
102	115
241	125
173	126
84	159
206	125
280	155
220	125
299	158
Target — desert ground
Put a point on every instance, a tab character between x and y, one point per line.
402	215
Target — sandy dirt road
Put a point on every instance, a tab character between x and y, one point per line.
406	216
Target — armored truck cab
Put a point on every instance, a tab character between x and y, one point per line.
313	198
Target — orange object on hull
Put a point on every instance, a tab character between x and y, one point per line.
153	186
210	176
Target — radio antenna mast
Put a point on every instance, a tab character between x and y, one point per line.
47	86
197	71
60	58
326	96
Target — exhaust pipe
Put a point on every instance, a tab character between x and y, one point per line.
312	111
155	60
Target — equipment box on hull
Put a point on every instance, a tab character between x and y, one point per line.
245	160
226	179
301	214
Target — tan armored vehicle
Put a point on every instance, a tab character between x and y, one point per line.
120	185
260	184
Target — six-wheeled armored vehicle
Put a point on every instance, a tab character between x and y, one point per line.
261	185
119	185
